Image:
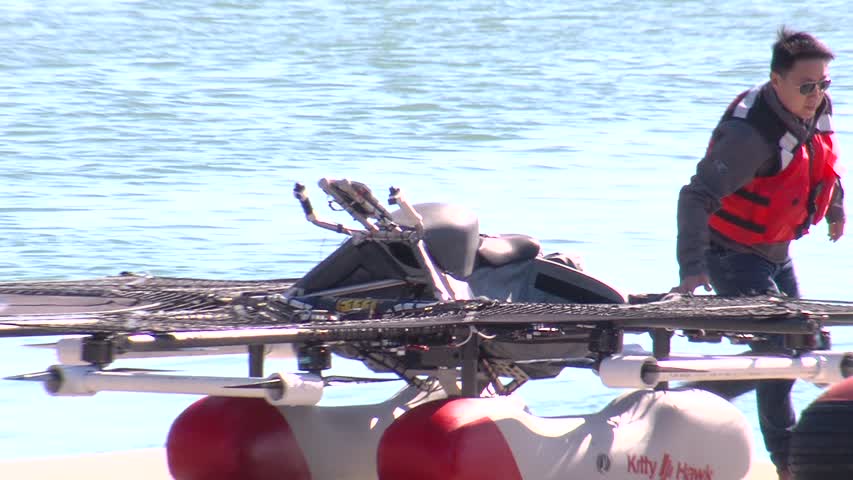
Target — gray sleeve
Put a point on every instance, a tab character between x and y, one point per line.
835	212
737	152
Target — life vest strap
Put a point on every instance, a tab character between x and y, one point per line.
753	197
740	222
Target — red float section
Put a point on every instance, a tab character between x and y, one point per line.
453	439
840	392
220	438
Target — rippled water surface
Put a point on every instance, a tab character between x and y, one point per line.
165	137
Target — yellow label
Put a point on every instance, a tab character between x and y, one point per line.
352	304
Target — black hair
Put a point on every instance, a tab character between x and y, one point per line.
791	46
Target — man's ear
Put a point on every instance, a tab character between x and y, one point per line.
775	79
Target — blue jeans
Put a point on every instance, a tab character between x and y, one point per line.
734	274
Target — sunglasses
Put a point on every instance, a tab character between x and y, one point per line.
809	87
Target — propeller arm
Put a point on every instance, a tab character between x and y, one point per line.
278	389
638	371
70	351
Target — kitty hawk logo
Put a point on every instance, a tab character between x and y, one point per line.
667	469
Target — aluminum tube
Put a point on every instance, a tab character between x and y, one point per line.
821	367
294	389
638	371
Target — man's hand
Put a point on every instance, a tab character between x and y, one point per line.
690	282
836	230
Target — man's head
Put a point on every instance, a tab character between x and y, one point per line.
799	71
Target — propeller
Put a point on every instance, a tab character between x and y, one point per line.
41	345
46	375
341	379
272	384
32	377
275	383
140	370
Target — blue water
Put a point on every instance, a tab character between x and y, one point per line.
165	137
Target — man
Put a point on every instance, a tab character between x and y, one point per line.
770	172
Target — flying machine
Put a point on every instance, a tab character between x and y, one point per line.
464	318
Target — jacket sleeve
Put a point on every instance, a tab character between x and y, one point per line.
737	152
835	212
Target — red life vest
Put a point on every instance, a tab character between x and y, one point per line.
780	207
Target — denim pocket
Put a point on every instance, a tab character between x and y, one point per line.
735	273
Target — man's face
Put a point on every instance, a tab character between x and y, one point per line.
801	90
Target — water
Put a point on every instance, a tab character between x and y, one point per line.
165	137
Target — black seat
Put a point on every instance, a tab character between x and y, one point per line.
507	248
